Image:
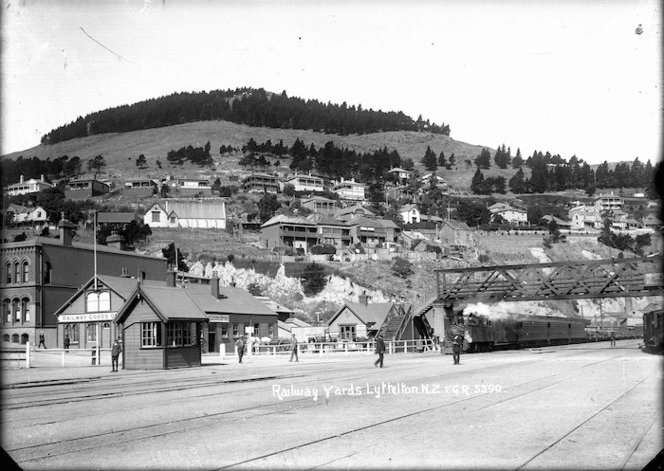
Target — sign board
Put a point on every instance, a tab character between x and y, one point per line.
219	318
95	316
249	330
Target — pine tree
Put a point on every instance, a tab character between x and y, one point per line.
429	160
517	183
441	159
476	185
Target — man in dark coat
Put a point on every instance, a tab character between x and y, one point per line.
115	354
380	350
41	340
457	341
240	347
67	343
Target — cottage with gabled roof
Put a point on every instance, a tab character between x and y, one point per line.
410	214
358	320
283	232
201	214
305	182
320	205
350	190
457	234
350	212
24	187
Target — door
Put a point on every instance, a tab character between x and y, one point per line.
212	341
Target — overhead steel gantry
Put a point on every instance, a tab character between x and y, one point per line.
552	281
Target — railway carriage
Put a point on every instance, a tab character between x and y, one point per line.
653	331
516	330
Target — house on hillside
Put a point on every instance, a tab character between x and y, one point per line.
261	183
608	202
320	205
194	186
284	233
117	221
201	214
331	231
402	175
652	222
373	232
410	214
140	187
24	187
562	224
454	233
350	190
358	320
34	216
512	215
84	188
305	183
585	217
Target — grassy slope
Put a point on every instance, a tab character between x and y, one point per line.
120	150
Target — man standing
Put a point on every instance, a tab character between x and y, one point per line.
457	340
67	343
613	339
239	344
115	353
380	350
294	349
41	340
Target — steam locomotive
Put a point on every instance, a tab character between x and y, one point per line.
653	331
516	330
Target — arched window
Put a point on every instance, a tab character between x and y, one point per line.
98	301
6	310
91	332
15	338
24	339
8	273
17	272
16	307
25	308
26	271
5	338
48	273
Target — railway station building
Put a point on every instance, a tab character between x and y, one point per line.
39	275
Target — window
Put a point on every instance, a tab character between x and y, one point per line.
24	339
180	334
17	273
71	331
270	330
98	301
347	332
8	273
5	338
155	216
235	329
6	310
224	330
257	330
16	307
150	334
25	308
172	219
26	271
48	272
91	332
15	338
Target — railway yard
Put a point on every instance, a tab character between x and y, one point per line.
582	406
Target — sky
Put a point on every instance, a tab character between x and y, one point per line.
568	77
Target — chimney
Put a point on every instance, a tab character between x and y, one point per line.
214	284
116	240
170	278
42	177
364	299
21	179
66	231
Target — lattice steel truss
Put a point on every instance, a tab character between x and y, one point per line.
551	281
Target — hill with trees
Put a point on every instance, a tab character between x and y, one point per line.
253	107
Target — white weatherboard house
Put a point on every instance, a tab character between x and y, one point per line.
199	214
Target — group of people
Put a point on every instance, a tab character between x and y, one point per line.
241	345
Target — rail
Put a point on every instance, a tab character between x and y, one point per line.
345	348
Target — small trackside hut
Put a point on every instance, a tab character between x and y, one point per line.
160	328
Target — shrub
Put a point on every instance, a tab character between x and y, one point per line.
323	249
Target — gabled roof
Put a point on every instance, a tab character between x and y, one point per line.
408	207
375	313
169	303
297	322
232	301
456	225
293	177
273	305
320	199
283	219
122	286
363	221
356	208
400	170
322	220
107	217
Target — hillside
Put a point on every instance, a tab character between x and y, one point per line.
120	150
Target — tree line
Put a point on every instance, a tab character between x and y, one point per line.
252	107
